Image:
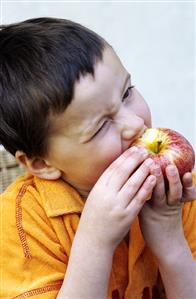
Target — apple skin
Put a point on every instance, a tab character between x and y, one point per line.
166	146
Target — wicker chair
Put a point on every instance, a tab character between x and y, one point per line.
9	169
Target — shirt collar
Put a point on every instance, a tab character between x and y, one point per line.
59	197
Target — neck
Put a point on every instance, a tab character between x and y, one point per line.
83	191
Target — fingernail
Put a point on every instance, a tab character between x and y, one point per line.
149	162
133	149
143	151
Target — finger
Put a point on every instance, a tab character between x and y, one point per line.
159	190
142	196
189	189
175	186
133	184
123	167
187	180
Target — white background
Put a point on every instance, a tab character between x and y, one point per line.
155	41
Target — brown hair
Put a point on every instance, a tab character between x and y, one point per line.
40	60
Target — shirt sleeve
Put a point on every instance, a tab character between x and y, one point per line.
33	260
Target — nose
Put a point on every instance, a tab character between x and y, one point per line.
130	126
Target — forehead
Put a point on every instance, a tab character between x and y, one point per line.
93	96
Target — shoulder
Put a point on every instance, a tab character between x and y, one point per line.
11	199
54	197
38	222
37	209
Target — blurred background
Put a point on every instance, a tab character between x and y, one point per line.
155	41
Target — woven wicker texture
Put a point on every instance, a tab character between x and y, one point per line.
9	169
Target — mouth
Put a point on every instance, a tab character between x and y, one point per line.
138	135
141	132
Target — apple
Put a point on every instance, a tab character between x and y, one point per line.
166	146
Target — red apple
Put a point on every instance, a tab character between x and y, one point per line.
166	146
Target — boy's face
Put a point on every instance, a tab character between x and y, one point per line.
102	121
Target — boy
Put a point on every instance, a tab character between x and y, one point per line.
70	114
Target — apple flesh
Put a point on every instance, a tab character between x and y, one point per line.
166	146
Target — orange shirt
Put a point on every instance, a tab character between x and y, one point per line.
39	219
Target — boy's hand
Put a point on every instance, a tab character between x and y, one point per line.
161	217
116	199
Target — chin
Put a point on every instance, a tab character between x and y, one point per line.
166	146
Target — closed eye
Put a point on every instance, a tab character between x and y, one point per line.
100	129
126	95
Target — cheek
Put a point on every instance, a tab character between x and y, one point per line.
106	152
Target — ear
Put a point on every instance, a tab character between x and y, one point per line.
38	167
